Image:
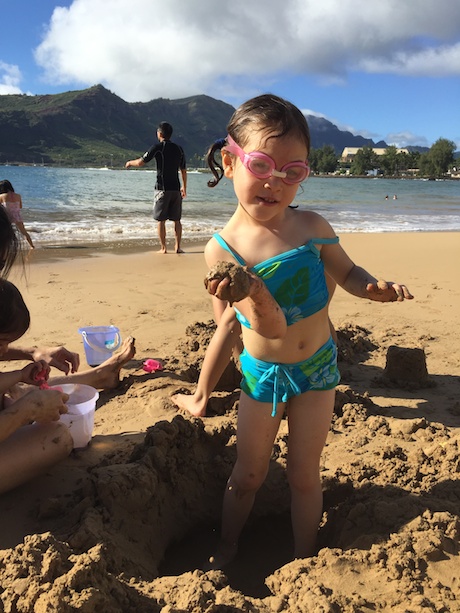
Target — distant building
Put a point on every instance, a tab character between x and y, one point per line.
349	153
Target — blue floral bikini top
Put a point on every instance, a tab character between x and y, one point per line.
295	279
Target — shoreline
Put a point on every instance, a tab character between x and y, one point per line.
207	171
130	247
154	297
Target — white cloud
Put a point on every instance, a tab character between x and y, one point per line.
10	78
406	139
147	49
440	62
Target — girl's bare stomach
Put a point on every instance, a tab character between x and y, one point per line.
302	340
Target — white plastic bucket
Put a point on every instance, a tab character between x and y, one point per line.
99	343
80	418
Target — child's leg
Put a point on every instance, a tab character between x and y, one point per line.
309	419
104	376
31	450
215	361
256	432
24	232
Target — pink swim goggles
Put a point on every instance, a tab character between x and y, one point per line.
262	165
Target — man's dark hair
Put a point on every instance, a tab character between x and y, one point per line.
166	129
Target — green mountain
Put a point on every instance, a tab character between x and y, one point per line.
94	127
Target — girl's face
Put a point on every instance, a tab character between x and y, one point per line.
264	199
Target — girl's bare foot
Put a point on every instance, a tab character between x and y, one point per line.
106	375
162	250
190	403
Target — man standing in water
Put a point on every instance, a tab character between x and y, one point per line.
170	159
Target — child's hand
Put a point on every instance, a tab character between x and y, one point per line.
228	281
59	357
387	291
36	373
46	405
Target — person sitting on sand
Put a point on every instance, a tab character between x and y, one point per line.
32	438
26	449
105	376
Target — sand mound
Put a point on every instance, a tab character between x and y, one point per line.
133	534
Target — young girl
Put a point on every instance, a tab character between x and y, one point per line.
289	361
13	204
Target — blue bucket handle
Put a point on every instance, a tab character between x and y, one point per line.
111	347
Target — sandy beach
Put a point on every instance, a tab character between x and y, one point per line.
125	524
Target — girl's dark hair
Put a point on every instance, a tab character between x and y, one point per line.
5	187
262	113
10	246
215	164
14	315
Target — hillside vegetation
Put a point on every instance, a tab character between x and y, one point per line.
94	127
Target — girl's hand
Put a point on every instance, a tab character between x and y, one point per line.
387	291
228	281
36	373
46	405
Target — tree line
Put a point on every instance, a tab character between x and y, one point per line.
436	163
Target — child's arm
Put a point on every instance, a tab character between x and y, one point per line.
362	284
254	301
33	374
9	379
357	281
59	357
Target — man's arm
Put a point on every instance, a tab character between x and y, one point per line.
183	190
135	163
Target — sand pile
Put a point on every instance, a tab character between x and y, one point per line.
139	522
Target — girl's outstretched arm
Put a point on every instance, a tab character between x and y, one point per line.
362	284
357	281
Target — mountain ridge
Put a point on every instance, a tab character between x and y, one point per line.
96	127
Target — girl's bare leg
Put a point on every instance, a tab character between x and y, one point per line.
225	341
104	376
309	419
24	232
215	361
30	451
256	432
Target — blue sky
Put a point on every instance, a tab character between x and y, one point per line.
386	70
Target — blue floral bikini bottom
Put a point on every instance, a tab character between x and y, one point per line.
272	382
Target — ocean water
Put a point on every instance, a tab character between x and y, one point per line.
74	207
